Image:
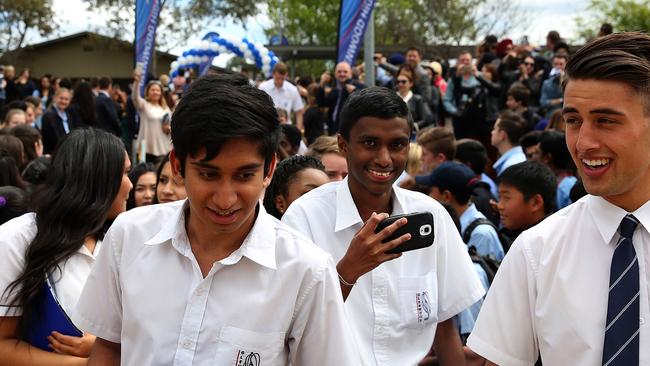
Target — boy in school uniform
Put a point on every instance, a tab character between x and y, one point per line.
396	303
214	279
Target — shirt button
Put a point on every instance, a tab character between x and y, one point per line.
641	321
199	291
187	344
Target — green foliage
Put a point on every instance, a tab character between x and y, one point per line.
397	22
179	19
17	17
623	15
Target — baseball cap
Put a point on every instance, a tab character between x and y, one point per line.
453	176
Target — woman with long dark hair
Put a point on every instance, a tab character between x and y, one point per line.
82	106
143	178
86	188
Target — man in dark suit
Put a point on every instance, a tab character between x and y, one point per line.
334	97
57	122
107	118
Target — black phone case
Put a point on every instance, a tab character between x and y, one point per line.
419	225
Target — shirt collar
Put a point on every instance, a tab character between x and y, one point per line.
513	151
258	246
347	213
608	216
468	216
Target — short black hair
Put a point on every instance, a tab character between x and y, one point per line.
520	94
375	101
531	178
218	108
413	48
553	142
530	139
105	82
284	175
473	154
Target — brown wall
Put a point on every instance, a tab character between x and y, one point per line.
81	57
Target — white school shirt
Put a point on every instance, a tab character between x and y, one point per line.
274	300
395	308
551	292
287	97
15	237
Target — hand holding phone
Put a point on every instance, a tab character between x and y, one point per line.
419	226
368	248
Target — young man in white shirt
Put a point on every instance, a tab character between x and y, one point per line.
215	279
575	289
396	303
284	94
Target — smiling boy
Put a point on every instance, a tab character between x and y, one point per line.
576	287
396	303
214	279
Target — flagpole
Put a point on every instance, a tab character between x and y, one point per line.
369	51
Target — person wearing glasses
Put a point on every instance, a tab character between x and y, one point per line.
420	111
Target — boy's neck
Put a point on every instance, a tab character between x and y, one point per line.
210	246
367	203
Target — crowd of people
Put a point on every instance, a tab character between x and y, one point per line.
227	220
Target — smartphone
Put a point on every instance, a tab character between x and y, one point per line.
419	225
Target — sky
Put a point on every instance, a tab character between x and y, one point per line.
74	16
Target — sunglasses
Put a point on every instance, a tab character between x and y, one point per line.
402	81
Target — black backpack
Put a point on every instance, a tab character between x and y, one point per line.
490	265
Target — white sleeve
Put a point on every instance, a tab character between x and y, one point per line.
505	329
296	103
99	310
458	285
321	334
13	244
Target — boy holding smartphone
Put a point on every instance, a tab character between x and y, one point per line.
396	309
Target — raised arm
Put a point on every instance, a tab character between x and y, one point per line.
138	102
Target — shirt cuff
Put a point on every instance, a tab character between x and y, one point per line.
486	350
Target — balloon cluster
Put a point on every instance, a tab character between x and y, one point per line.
201	53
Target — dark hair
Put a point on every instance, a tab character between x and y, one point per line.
29	137
11	145
492	69
605	29
473	154
280	68
13	203
520	94
553	143
438	140
562	55
94	82
218	108
531	178
135	174
410	70
621	57
413	48
85	178
559	46
65	83
9	173
37	170
284	175
292	134
554	36
513	125
375	101
161	165
83	100
105	82
530	139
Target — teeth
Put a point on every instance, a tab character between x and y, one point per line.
224	213
381	174
595	162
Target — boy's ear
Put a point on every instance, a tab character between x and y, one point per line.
175	164
272	165
343	145
536	203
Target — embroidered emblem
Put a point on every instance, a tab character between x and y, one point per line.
248	359
423	306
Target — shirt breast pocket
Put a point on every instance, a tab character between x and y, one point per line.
418	298
241	347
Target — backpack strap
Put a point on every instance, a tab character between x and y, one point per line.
472	225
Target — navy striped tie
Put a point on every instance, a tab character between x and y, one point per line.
622	331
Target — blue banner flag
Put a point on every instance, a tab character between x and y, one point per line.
146	22
353	20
